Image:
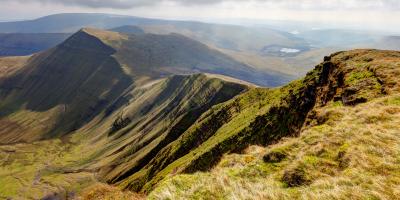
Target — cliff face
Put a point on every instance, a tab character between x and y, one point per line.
342	114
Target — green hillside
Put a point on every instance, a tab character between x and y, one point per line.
332	134
145	120
123	109
347	146
74	115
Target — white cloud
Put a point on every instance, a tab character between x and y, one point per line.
287	4
374	14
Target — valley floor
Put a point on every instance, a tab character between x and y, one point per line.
42	169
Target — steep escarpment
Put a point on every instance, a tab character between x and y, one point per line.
345	146
155	116
263	116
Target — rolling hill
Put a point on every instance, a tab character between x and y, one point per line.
22	44
338	37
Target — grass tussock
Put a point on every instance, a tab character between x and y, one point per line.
107	192
353	156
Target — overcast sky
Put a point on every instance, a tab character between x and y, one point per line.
376	14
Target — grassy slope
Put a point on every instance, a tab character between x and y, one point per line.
355	153
154	117
38	169
107	147
64	87
10	65
341	151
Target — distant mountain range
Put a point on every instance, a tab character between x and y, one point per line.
20	44
223	36
273	48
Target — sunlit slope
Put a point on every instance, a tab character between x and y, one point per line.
145	120
345	79
150	118
346	147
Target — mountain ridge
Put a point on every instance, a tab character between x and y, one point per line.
333	152
153	54
152	137
102	108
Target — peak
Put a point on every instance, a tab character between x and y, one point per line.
89	30
87	39
106	36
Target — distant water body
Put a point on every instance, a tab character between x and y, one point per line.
288	50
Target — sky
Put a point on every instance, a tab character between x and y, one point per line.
370	14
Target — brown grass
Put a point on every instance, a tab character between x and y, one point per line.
355	156
107	192
10	65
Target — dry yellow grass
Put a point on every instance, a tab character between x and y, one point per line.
109	37
107	192
10	65
355	154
